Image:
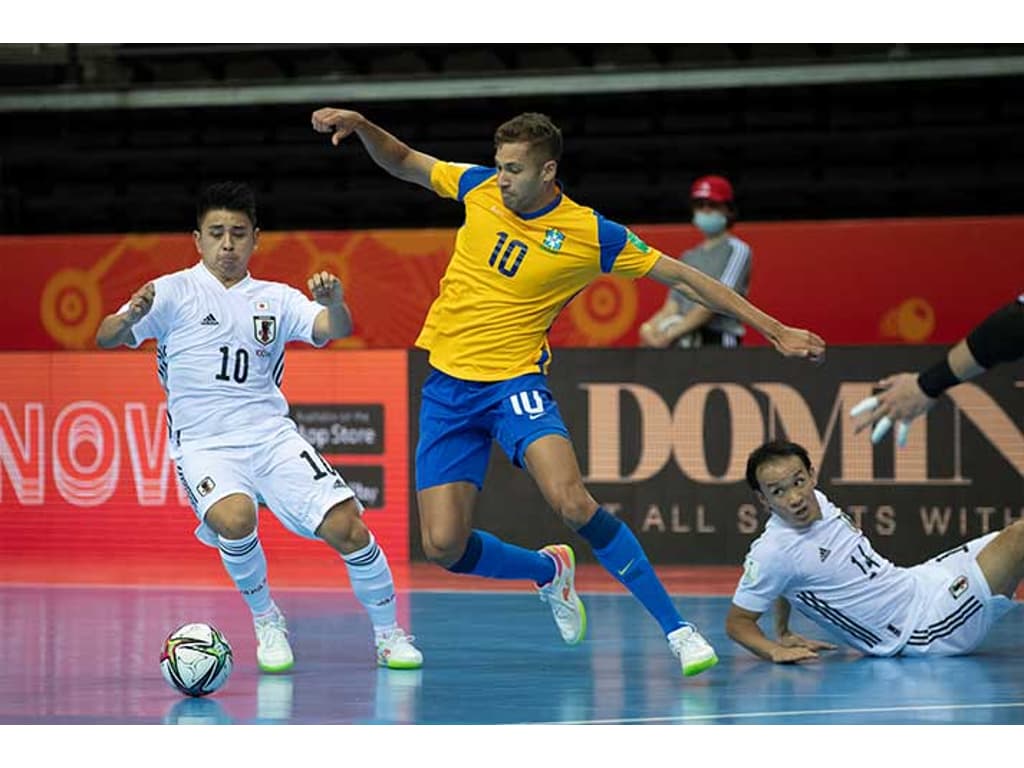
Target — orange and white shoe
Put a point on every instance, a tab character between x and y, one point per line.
560	594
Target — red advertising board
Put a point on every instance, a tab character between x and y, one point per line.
892	281
88	493
895	281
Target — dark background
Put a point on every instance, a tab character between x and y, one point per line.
876	144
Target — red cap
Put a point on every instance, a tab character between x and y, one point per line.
717	189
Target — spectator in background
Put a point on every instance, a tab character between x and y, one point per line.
682	322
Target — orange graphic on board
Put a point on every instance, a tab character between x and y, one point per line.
71	305
912	321
602	313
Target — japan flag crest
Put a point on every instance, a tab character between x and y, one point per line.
264	328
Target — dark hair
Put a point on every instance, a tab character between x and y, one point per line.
775	449
226	196
535	129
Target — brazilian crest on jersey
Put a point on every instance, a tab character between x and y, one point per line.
510	275
553	240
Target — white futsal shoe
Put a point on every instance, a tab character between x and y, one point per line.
560	594
396	651
694	652
273	652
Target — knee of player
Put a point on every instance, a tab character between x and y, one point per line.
343	527
1015	532
236	528
574	504
232	518
443	547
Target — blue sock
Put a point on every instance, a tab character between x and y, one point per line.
619	551
487	555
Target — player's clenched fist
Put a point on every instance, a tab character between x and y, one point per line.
141	302
338	122
326	289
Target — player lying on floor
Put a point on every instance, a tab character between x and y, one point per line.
813	557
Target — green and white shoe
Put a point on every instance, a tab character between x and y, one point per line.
273	652
694	652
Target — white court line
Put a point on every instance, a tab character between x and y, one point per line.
782	713
227	587
526	590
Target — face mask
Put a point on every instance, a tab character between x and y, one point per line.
711	223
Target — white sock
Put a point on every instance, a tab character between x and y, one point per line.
246	564
373	586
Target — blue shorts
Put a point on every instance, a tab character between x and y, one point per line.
459	419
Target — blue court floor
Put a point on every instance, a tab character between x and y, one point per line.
90	655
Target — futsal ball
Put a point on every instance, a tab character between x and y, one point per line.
196	659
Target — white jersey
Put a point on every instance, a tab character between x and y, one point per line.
220	354
831	574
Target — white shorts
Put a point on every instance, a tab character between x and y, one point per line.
284	472
962	608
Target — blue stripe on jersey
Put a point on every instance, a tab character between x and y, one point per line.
279	369
543	360
473	178
612	238
541	211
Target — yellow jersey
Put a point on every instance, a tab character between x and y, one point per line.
510	275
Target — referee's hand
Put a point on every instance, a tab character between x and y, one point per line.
899	400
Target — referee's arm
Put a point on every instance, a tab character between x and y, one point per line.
999	338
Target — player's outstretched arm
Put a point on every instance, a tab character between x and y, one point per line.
742	627
905	396
393	155
791	342
116	328
334	321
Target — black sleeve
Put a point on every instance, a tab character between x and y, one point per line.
999	338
